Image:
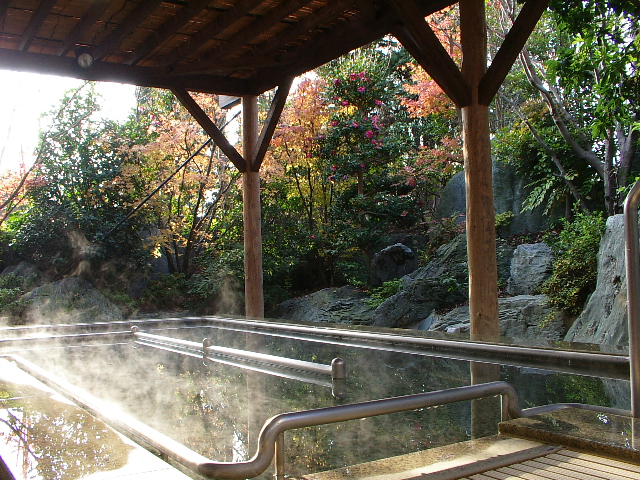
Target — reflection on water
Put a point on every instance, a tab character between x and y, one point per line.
218	410
41	438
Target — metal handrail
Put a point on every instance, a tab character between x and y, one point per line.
583	363
273	429
632	255
604	365
336	370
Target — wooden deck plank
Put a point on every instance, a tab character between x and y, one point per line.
528	473
632	467
588	464
590	471
560	471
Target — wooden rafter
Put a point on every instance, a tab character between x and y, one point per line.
273	117
94	12
265	52
211	128
510	49
207	32
248	33
139	14
321	49
422	43
167	30
36	21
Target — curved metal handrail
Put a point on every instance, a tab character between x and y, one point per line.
279	424
632	255
273	428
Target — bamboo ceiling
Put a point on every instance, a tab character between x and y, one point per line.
233	47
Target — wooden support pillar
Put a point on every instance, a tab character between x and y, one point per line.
480	215
251	212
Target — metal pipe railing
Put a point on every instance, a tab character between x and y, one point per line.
272	431
582	363
632	255
336	370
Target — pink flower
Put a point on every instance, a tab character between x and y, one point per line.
378	102
344	177
344	103
369	134
331	178
362	75
355	124
353	76
309	155
411	182
362	89
336	81
362	165
373	142
312	237
333	168
335	123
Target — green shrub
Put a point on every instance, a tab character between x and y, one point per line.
380	294
575	267
165	292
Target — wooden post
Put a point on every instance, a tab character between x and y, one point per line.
254	297
480	220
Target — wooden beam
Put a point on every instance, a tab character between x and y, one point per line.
91	16
510	49
277	105
114	72
167	30
420	41
209	31
480	216
211	128
36	21
453	84
248	33
251	214
128	25
320	49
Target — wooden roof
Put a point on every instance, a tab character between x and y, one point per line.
233	47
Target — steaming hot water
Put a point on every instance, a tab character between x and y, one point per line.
218	410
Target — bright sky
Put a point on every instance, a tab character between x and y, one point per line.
26	96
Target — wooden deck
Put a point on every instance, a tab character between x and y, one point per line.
564	464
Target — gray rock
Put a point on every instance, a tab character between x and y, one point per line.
531	265
392	263
521	317
604	319
71	300
334	305
509	192
28	275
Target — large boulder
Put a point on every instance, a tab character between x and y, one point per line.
604	319
392	263
346	305
531	265
440	284
26	274
523	317
71	300
509	193
443	283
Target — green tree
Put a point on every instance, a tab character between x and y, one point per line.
74	197
582	61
